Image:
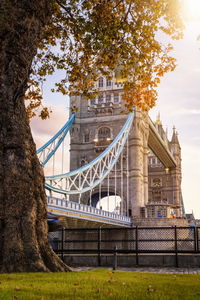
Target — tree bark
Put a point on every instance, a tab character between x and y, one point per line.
24	245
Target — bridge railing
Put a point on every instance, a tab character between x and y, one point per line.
66	205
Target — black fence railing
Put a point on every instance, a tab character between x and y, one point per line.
136	240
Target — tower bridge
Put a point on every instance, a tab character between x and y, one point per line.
114	155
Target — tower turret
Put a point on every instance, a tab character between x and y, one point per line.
176	173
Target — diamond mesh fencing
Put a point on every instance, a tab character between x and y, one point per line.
79	240
156	239
123	239
126	240
186	239
198	239
55	240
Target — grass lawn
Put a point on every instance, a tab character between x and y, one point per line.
99	284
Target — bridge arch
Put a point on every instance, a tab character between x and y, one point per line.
114	196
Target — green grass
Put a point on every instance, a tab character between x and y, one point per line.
99	284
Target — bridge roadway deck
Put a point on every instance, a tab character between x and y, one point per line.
159	147
74	214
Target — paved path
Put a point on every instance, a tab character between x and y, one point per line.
148	269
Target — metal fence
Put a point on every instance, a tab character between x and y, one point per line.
136	240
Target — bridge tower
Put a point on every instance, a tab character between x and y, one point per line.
149	186
97	123
165	197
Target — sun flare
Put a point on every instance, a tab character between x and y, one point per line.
192	9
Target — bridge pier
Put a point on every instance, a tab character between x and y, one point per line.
138	170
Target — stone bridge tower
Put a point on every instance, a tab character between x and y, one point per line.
97	123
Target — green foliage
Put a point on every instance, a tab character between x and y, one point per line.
92	38
99	284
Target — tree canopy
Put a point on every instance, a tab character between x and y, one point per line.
92	38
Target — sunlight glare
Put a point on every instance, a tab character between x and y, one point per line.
192	9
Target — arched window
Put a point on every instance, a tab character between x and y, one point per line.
93	101
104	133
86	138
82	162
108	82
108	98
100	99
101	82
156	195
116	98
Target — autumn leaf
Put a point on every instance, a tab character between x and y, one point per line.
111	281
100	38
150	289
198	293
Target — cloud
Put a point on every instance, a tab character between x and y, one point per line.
184	111
190	183
42	130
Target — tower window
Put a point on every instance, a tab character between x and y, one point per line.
108	82
116	98
100	99
108	98
83	162
104	133
93	101
86	138
101	82
156	195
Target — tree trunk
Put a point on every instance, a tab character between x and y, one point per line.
24	242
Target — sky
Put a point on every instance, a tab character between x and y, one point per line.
178	104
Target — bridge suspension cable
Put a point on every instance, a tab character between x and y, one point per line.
86	178
49	149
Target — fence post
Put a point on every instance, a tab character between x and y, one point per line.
99	246
62	243
195	240
136	245
115	258
176	246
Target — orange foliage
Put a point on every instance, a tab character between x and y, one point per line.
91	38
